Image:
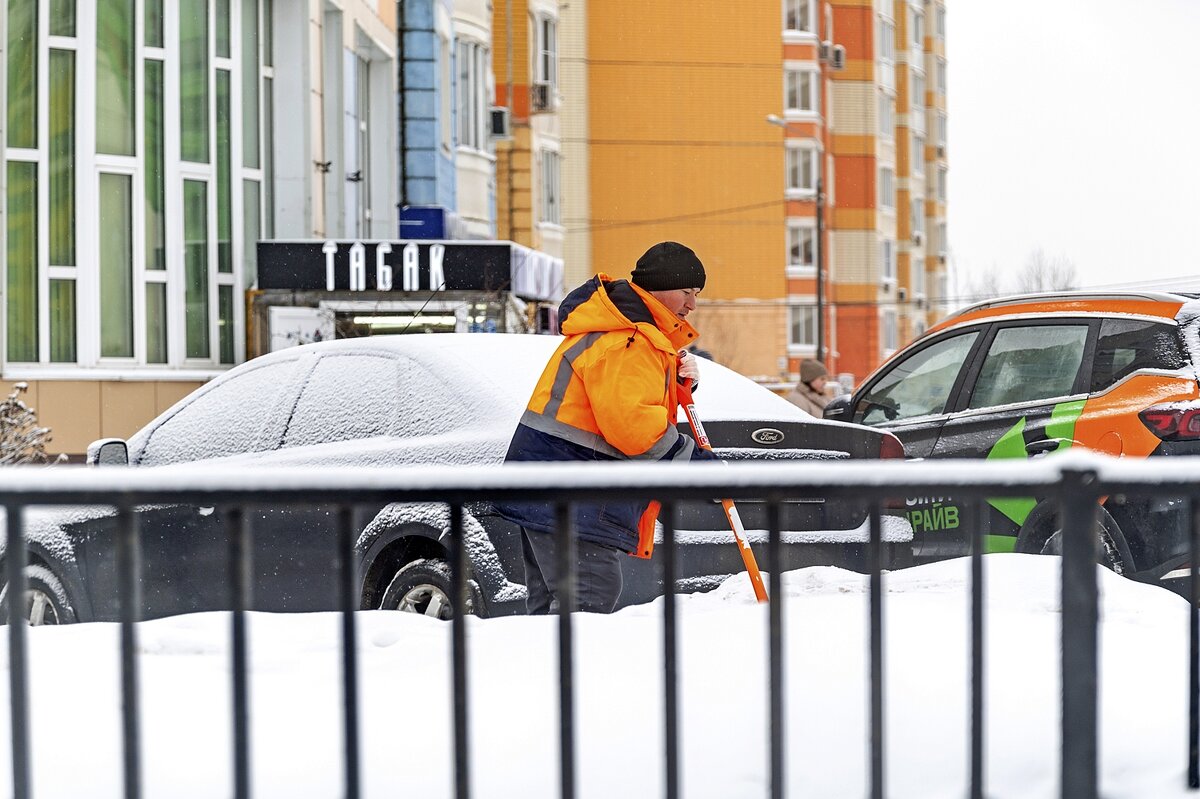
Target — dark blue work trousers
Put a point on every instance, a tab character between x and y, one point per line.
597	574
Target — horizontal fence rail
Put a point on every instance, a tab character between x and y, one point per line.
1075	480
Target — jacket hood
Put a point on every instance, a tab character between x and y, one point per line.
603	304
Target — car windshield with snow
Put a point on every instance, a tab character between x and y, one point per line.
1025	377
403	401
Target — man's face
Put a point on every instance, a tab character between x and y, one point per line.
680	302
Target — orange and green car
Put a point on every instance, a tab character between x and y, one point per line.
1028	376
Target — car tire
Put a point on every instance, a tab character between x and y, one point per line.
1042	535
423	586
45	599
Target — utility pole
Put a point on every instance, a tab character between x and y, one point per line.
821	270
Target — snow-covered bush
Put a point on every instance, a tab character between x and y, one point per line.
21	440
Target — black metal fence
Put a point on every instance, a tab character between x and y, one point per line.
1077	482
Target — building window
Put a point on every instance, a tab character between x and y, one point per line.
801	90
802	170
886	32
941	76
798	15
941	129
887	187
472	95
887	260
916	27
101	265
942	241
917	215
802	325
918	277
802	246
889	333
887	115
551	198
547	51
941	184
917	83
918	154
941	22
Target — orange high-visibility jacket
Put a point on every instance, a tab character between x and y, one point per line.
607	393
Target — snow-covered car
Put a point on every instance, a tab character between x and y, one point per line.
395	401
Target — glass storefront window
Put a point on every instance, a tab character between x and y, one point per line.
250	76
222	28
224	190
22	262
156	222
62	157
195	267
62	18
225	322
116	266
114	77
154	23
251	230
22	73
193	80
62	321
156	323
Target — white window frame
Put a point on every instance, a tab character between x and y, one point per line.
797	231
797	153
470	97
885	30
551	187
887	114
916	90
889	333
942	242
916	214
942	179
916	25
887	261
805	84
805	307
887	188
917	276
795	9
941	129
916	153
941	21
940	68
546	53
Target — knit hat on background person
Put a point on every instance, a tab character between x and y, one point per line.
810	370
668	265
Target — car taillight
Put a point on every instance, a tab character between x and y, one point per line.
1177	422
890	447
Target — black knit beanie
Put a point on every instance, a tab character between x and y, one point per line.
669	265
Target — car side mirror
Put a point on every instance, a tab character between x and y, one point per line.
108	452
838	408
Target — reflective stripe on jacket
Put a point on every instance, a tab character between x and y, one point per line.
607	393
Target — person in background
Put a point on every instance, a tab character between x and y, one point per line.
809	394
609	394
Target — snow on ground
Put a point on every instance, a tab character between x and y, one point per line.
406	719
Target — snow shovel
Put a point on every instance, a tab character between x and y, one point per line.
735	521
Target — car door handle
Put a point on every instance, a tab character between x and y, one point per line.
1046	445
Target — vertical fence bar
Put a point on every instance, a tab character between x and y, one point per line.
566	667
129	582
18	660
349	603
875	556
775	648
1194	650
1079	620
239	567
458	635
670	665
973	518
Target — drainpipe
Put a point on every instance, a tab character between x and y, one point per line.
401	27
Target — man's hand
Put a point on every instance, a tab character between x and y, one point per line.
688	370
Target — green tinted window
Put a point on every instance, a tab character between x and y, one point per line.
116	266
193	79
62	158
251	231
223	28
156	323
154	23
156	227
22	299
225	322
22	73
250	70
62	17
62	321
224	190
114	77
195	267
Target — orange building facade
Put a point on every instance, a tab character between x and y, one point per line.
797	146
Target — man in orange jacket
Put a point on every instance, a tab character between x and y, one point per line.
609	393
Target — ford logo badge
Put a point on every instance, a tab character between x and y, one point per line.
767	435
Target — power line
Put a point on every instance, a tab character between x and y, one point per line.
620	223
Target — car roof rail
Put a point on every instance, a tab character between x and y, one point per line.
1026	299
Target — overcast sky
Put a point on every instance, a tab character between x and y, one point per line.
1074	126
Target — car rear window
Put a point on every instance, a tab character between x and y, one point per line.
1127	345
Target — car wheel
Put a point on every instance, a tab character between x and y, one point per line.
1042	535
45	599
423	586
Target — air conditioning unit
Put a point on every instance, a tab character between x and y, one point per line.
500	123
917	237
941	257
941	151
921	304
837	58
824	51
540	97
901	294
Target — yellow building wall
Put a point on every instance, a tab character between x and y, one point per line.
747	338
680	148
80	411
